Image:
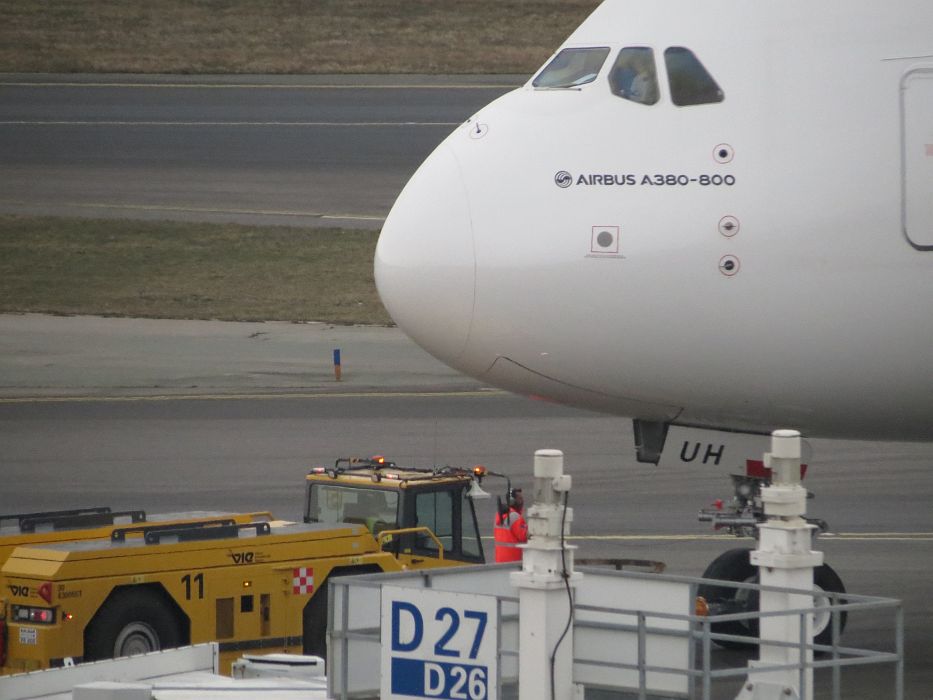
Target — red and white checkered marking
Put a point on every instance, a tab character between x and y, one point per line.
302	581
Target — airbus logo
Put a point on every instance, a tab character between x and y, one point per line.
563	179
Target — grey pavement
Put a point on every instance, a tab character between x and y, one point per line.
91	356
280	150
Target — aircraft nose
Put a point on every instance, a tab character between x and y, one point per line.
424	264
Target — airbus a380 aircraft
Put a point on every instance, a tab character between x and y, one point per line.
710	214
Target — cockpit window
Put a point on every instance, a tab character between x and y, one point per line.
691	83
634	75
571	68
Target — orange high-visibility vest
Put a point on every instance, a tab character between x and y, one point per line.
510	530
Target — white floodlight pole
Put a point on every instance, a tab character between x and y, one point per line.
785	560
544	606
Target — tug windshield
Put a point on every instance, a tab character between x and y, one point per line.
377	509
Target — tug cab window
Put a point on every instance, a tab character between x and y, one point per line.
435	510
691	83
634	76
450	516
377	509
572	68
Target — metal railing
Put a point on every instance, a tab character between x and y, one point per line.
701	634
701	672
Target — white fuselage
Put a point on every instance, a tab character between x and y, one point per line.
754	271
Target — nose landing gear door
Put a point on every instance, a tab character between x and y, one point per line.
917	157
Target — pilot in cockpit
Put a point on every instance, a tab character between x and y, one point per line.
634	76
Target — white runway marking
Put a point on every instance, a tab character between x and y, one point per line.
253	86
78	122
251	397
204	210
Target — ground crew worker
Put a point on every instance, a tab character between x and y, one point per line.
510	528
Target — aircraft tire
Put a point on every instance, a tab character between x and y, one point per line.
131	622
732	565
825	578
735	565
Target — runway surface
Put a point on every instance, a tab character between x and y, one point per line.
86	356
309	151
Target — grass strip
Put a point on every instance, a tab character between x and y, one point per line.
187	270
284	36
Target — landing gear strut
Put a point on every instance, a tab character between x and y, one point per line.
741	518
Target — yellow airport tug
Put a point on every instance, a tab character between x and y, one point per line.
249	582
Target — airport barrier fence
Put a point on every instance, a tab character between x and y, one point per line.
641	651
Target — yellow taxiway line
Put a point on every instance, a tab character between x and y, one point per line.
839	536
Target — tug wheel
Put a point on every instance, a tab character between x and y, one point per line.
735	565
131	622
314	616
